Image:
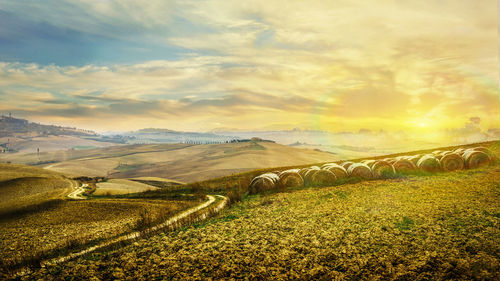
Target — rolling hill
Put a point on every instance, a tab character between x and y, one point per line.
433	226
25	187
181	162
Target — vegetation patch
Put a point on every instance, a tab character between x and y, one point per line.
405	224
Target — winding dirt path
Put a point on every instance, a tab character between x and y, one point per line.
134	235
77	193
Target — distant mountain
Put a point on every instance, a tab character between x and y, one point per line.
15	127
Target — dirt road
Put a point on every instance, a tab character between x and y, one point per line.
77	193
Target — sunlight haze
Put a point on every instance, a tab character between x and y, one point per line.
420	67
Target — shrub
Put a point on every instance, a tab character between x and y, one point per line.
234	196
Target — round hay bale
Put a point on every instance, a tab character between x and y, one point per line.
291	178
369	163
438	156
302	172
485	150
437	152
309	173
338	170
382	169
346	164
360	170
289	171
474	159
451	162
328	164
323	177
263	182
429	163
443	153
404	166
390	160
414	159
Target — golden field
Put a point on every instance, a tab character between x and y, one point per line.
37	220
414	227
178	162
121	186
23	187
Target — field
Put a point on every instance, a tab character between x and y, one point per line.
413	227
179	162
23	187
416	227
37	219
121	186
29	144
67	223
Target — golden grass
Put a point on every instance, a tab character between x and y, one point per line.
121	186
24	187
431	227
77	222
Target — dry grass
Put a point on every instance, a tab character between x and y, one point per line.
23	187
121	186
179	162
443	226
78	222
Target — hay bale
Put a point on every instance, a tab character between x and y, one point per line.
485	150
382	169
291	178
390	160
328	164
429	163
288	171
404	165
322	177
302	172
414	159
309	173
474	159
338	170
264	182
346	164
360	170
452	161
369	163
437	152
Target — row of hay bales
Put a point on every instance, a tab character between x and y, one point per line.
374	169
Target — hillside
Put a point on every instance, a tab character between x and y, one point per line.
23	136
181	162
12	127
414	227
37	218
24	187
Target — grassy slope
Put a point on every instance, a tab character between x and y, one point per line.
121	186
36	217
418	227
240	181
76	222
24	186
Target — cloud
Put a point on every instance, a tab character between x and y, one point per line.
340	66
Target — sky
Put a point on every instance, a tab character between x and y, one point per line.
416	67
